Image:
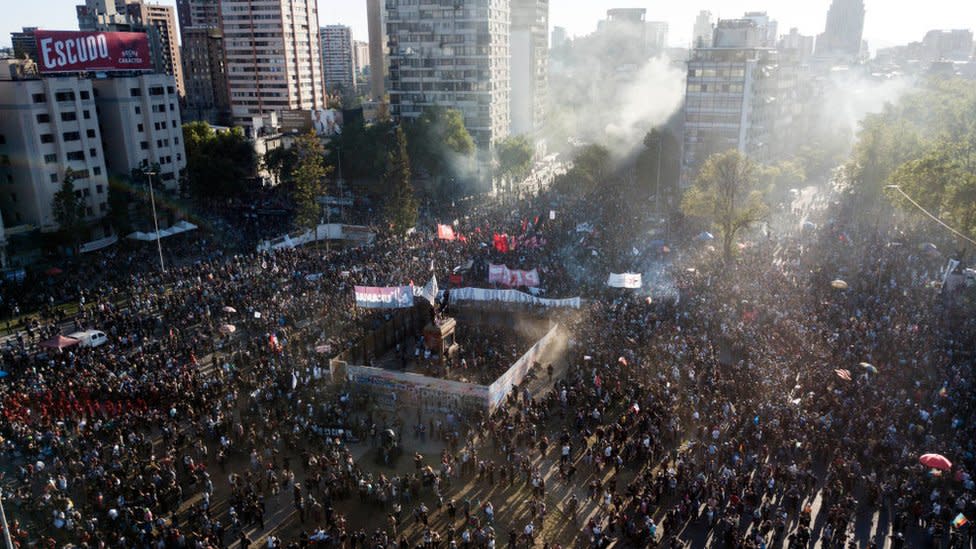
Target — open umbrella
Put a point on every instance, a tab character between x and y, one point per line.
935	461
839	284
229	309
869	367
228	329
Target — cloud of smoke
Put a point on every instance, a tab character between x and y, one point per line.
608	88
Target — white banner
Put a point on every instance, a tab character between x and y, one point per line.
511	296
393	297
624	280
498	390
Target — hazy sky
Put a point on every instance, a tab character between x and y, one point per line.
888	22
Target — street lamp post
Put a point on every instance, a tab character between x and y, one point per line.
152	201
8	542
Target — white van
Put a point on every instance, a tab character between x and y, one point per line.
90	338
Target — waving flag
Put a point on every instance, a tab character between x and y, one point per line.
445	232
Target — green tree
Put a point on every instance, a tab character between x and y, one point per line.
514	158
119	199
726	196
439	144
69	210
218	163
309	180
590	170
401	204
364	149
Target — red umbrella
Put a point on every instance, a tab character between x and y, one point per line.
935	461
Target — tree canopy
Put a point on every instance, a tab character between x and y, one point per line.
69	210
725	194
309	180
401	203
590	170
926	145
438	143
514	157
218	163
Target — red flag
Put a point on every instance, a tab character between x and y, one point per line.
525	225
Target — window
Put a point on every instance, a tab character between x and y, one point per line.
93	153
69	116
13	198
3	140
89	211
103	207
138	109
156	90
172	123
64	96
90	133
156	125
99	189
85	94
96	170
176	140
179	157
76	155
159	143
47	138
172	106
140	128
39	98
50	158
86	114
86	193
144	145
135	92
168	176
54	177
71	136
43	118
170	89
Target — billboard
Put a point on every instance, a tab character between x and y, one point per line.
325	122
80	51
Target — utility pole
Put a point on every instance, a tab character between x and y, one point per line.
3	522
152	200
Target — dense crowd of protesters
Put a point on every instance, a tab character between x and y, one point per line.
716	417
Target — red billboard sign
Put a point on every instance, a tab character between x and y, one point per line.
80	51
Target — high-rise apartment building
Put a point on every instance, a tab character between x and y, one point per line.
768	28
338	62
48	126
204	72
272	57
529	65
455	57
704	27
360	56
559	37
140	117
738	96
842	35
949	45
797	44
24	43
158	22
378	60
163	20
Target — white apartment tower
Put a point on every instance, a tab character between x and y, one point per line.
48	125
704	27
272	57
529	65
453	55
140	117
338	61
